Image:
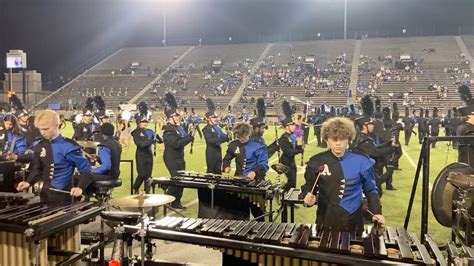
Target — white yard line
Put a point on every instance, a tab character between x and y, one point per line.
410	160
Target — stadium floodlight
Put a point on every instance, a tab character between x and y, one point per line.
404	31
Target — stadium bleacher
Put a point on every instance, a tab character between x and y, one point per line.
123	75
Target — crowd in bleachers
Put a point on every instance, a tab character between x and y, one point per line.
429	78
299	74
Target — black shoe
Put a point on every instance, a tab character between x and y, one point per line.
178	206
391	188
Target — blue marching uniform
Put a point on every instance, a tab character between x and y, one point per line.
249	156
144	139
9	141
54	162
340	188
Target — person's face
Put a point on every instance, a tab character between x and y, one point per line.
143	124
87	119
291	128
175	119
48	129
105	120
337	145
213	120
244	139
8	125
23	120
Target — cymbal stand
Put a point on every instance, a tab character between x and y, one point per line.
142	234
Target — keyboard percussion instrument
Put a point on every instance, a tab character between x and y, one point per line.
257	192
269	243
42	234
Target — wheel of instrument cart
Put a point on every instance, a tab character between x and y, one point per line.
443	193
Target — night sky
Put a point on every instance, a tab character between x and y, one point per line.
61	35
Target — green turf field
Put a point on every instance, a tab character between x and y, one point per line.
395	203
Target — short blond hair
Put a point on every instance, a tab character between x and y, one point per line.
48	117
338	127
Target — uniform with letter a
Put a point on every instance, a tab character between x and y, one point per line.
53	163
340	188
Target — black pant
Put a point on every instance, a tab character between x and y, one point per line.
434	134
144	169
291	174
214	161
173	167
421	135
407	136
397	154
209	207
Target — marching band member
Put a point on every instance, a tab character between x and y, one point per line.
251	159
366	144
434	123
175	139
24	121
214	137
109	153
54	161
144	138
466	128
11	139
86	128
336	179
102	118
408	125
289	146
259	126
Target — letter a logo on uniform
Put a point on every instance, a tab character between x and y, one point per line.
43	152
326	170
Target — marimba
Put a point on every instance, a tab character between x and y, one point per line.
295	244
38	232
258	193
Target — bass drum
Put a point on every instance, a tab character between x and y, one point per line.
443	193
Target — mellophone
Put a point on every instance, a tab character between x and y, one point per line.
295	244
257	192
38	232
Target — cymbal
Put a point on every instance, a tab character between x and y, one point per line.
88	144
142	200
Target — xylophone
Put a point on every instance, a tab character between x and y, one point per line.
295	244
9	199
256	192
31	233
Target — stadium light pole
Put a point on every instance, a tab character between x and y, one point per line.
164	23
345	19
